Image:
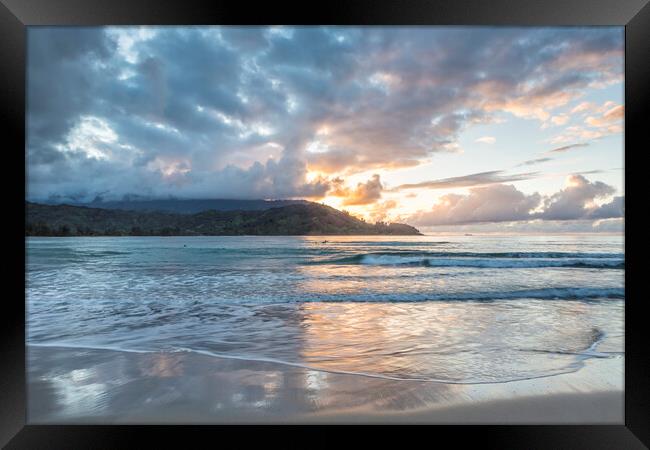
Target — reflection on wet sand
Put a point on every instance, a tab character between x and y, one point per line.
161	365
311	360
339	357
316	357
447	341
103	386
200	387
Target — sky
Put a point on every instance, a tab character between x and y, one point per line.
445	128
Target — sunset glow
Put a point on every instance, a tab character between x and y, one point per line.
444	128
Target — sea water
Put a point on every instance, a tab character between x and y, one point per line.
445	308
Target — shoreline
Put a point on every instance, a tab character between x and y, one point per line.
82	385
425	234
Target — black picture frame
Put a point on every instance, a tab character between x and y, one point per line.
16	15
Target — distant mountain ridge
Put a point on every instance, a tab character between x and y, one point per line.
188	206
304	218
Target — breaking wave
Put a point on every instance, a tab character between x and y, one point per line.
483	260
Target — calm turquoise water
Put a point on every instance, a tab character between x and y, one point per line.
444	308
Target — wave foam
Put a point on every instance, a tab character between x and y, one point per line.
560	293
484	260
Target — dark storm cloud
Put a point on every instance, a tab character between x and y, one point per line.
232	111
59	87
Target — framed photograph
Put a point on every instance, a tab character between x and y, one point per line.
371	214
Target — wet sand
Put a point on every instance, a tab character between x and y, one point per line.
78	386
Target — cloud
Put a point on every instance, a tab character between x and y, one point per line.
608	118
615	225
504	203
591	172
567	147
475	179
498	203
362	194
576	201
532	162
603	120
187	110
583	133
381	211
584	108
560	119
534	226
137	121
612	210
344	161
486	140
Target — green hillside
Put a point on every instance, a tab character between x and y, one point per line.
298	219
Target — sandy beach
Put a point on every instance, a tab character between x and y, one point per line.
72	385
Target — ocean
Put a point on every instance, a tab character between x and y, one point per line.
445	308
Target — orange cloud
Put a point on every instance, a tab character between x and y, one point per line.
605	120
348	162
381	212
560	119
363	194
608	118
